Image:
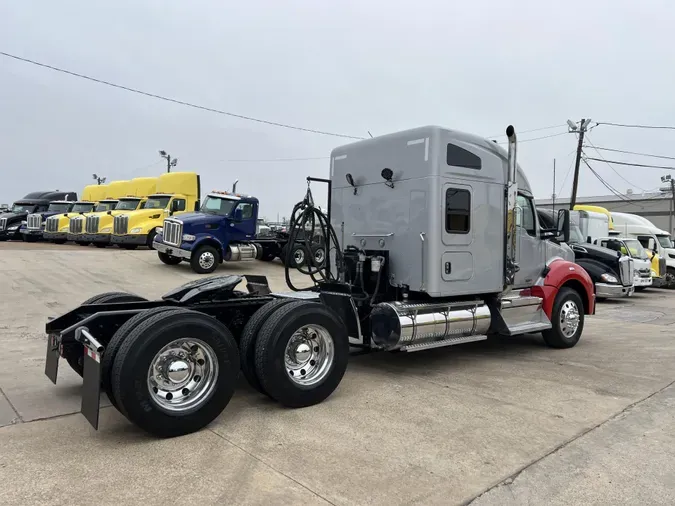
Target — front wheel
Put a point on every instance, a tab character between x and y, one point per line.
670	278
204	260
30	238
168	259
567	320
59	241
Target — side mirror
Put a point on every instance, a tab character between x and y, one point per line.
563	225
589	240
238	216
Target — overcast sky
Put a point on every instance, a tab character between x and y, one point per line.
347	67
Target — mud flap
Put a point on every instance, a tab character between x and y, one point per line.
52	360
91	386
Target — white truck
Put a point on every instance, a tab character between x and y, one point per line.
644	274
651	237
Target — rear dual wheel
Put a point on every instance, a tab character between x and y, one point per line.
299	353
174	372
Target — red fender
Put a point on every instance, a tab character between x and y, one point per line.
562	273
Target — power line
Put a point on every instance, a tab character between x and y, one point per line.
536	138
180	102
664	167
605	183
655	127
532	130
610	165
634	153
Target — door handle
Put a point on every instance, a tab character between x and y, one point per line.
448	267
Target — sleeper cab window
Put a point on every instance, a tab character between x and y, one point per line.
460	157
525	214
457	211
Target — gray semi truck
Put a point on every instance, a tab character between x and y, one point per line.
432	240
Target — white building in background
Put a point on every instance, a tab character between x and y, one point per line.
656	207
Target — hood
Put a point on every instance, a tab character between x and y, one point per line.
12	217
591	251
200	218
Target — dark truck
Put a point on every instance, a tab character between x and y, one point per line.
224	230
36	202
34	226
603	265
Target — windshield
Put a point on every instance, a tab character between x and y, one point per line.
127	205
59	208
106	206
575	232
215	205
83	208
665	241
635	248
22	208
157	202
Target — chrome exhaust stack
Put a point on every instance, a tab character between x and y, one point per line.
510	253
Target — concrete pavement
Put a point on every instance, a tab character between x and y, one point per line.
505	421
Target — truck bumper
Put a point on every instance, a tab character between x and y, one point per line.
75	237
171	250
639	281
659	282
96	238
137	239
55	236
31	233
607	291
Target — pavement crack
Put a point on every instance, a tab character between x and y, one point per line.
509	480
18	416
273	468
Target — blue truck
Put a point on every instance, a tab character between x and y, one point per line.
224	230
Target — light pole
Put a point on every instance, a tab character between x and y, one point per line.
170	162
671	188
99	180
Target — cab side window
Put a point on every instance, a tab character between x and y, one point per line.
525	214
179	205
457	211
246	211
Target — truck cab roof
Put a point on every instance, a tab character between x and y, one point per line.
47	197
232	196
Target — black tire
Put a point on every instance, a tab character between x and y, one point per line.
75	354
204	267
108	358
270	353
168	259
640	288
81	243
283	253
247	341
100	244
670	278
59	241
555	337
129	247
151	237
30	238
129	377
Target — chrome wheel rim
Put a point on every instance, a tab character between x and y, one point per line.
319	256
299	256
183	375
569	319
309	355
206	260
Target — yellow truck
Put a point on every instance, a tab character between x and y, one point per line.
113	191
56	227
658	268
98	226
177	193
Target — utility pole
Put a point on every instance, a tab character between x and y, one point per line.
581	129
669	179
553	194
170	162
